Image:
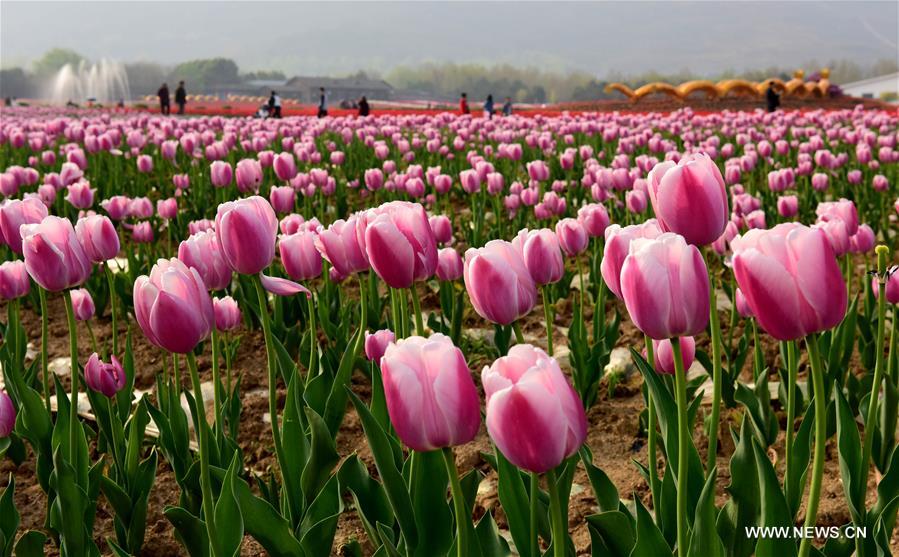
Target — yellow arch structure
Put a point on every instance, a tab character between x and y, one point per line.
684	90
738	87
621	88
657	87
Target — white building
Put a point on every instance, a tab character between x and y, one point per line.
873	88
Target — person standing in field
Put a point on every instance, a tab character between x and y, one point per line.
364	109
180	97
163	94
322	103
507	107
771	97
463	104
488	107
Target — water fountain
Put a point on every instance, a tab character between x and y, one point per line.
104	82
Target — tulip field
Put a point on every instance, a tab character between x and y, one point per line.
418	335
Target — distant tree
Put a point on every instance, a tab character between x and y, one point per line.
14	82
206	72
273	75
144	78
53	60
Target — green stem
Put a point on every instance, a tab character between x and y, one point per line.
535	497
228	362
558	519
416	308
814	495
217	389
110	280
519	336
45	334
73	352
683	444
715	326
462	514
548	316
313	338
654	486
203	441
90	334
273	387
792	372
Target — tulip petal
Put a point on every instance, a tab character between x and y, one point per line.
282	287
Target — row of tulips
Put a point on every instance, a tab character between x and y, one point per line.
791	281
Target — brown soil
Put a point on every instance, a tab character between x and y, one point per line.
613	437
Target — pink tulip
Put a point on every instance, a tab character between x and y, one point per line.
145	164
13	214
498	282
689	198
892	288
116	207
227	313
843	209
202	252
106	379
572	236
594	218
837	234
285	166
791	280
221	174
83	304
282	198
376	344
533	415
140	208
788	206
541	253
14	282
538	171
442	229
7	415
298	255
399	243
142	233
636	201
863	241
880	183
81	196
665	286
663	355
742	305
449	264
246	231
167	208
339	245
820	181
172	306
374	179
249	175
53	255
431	398
618	241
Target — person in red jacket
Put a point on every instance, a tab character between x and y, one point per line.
463	104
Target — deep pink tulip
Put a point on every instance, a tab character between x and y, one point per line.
298	255
892	288
663	355
106	379
636	201
285	166
863	241
81	196
399	243
221	174
7	415
83	304
13	214
203	252
498	282
618	241
431	398
167	208
541	253
820	181
449	264
538	171
376	344
665	286
689	198
282	198
14	281
246	231
339	245
880	183
145	164
788	206
374	179
142	233
594	218
533	415
227	313
172	306
742	306
53	255
442	228
791	280
140	208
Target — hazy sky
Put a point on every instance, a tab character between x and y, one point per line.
335	38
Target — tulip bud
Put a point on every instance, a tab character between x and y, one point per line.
246	231
376	344
7	415
663	355
449	264
14	281
399	243
221	174
13	214
106	379
541	253
498	283
572	236
167	208
53	255
227	313
298	255
83	304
